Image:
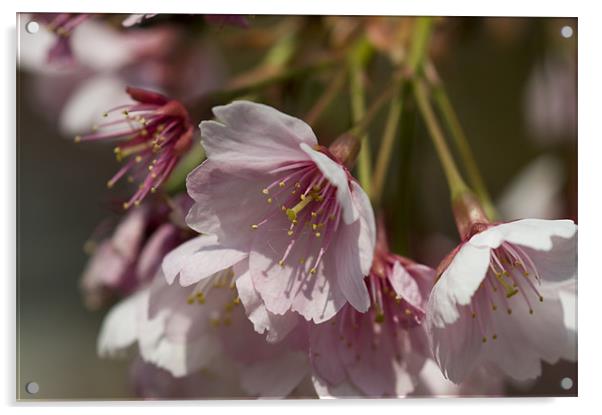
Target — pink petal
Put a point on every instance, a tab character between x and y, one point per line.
275	377
130	232
337	176
291	286
277	326
350	277
198	259
228	202
367	236
406	287
156	246
254	136
559	263
456	347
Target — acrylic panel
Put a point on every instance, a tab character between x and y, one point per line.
240	207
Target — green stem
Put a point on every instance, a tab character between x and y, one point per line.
200	109
420	41
457	186
357	61
386	148
450	118
329	94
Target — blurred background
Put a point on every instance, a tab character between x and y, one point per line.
512	82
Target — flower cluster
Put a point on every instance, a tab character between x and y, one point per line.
250	262
291	282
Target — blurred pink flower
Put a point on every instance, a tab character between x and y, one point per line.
217	19
481	382
132	254
62	25
497	300
218	381
550	101
270	192
155	132
380	352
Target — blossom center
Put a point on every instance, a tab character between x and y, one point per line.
511	276
307	202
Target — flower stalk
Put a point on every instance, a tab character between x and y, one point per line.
357	61
450	118
455	182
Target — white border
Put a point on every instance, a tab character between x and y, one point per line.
590	137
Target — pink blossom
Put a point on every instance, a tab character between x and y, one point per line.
381	352
62	25
132	255
270	192
498	299
154	132
184	330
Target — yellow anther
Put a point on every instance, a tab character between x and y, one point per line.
494	337
229	307
474	315
227	321
493	307
484	339
236	301
318	234
379	317
540	299
269	200
109	184
509	311
302	261
282	184
214	322
200	296
190	300
313	271
530	311
137	203
77	139
408	312
281	262
265	191
290	233
298	185
126	205
153	189
138	159
130	179
254	226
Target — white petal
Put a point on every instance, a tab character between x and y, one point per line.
457	284
99	46
532	233
120	327
87	104
336	175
